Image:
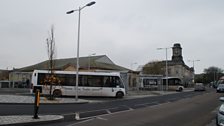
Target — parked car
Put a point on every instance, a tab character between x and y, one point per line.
220	88
199	87
220	114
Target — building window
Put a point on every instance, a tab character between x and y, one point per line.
177	72
169	71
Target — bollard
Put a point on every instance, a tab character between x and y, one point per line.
36	104
77	116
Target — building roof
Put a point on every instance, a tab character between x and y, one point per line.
173	63
97	62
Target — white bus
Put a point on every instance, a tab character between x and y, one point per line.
107	84
159	83
149	83
174	83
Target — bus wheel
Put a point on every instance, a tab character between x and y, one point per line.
119	94
57	93
180	89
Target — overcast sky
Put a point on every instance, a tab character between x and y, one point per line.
127	31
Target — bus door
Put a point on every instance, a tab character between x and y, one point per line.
84	86
111	86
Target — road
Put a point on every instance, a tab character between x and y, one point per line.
85	109
185	109
195	111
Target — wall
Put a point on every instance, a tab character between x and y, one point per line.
20	79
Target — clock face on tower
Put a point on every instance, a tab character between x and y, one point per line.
176	52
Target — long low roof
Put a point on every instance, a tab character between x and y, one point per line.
99	62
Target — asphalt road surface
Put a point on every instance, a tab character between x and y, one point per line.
94	108
180	109
193	111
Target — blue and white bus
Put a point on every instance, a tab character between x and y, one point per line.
107	84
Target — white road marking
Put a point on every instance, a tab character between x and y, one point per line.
100	118
80	122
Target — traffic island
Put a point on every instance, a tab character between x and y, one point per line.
27	120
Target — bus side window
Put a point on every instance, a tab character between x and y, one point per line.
85	81
80	80
118	82
112	82
98	82
107	82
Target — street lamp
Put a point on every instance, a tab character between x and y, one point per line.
166	65
77	60
89	59
193	67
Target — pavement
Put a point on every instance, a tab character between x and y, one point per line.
23	120
27	120
20	99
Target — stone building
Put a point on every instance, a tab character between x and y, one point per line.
176	66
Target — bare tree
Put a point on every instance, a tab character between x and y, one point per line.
51	49
52	79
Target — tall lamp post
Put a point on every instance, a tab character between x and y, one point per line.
89	60
193	67
77	60
166	66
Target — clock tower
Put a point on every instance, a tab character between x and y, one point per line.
177	53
